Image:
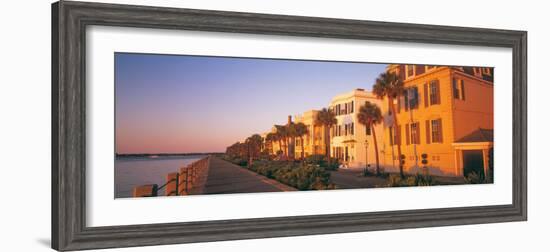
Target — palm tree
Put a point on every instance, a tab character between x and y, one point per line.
370	115
254	144
270	138
390	86
327	119
233	150
301	130
282	131
279	139
292	134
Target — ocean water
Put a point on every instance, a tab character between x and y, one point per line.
135	171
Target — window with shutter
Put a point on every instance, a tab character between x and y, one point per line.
413	99
417	134
437	133
428	132
407	134
440	130
434	131
406	99
345	129
398	134
456	93
410	71
437	92
398	104
434	92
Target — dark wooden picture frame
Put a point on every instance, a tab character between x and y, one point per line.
69	21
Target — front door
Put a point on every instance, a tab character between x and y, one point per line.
473	162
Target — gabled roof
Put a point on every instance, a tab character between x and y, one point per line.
479	135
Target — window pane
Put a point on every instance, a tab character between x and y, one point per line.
410	70
406	99
455	89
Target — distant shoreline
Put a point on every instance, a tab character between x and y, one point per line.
167	154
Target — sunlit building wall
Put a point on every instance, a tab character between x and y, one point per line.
445	113
314	140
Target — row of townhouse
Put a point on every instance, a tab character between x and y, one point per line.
445	112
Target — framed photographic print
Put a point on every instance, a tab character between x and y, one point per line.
178	125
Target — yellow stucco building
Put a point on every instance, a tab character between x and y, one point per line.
445	113
314	140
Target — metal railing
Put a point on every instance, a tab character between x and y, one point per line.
177	183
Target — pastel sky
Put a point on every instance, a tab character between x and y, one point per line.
185	104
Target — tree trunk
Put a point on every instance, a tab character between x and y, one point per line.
249	156
375	150
286	148
302	143
293	152
280	145
327	144
396	133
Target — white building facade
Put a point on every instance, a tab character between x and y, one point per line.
352	142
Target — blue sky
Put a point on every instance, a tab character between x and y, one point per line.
177	103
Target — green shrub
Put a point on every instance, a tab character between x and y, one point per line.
394	180
424	180
478	178
298	175
321	161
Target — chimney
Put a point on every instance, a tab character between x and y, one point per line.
289	119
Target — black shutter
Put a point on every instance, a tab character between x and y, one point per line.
428	132
462	89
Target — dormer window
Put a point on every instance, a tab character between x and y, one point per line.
410	71
419	69
477	71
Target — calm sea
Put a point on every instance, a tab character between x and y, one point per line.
135	171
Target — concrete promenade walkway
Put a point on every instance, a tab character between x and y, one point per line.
226	177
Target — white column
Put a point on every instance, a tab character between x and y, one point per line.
485	161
